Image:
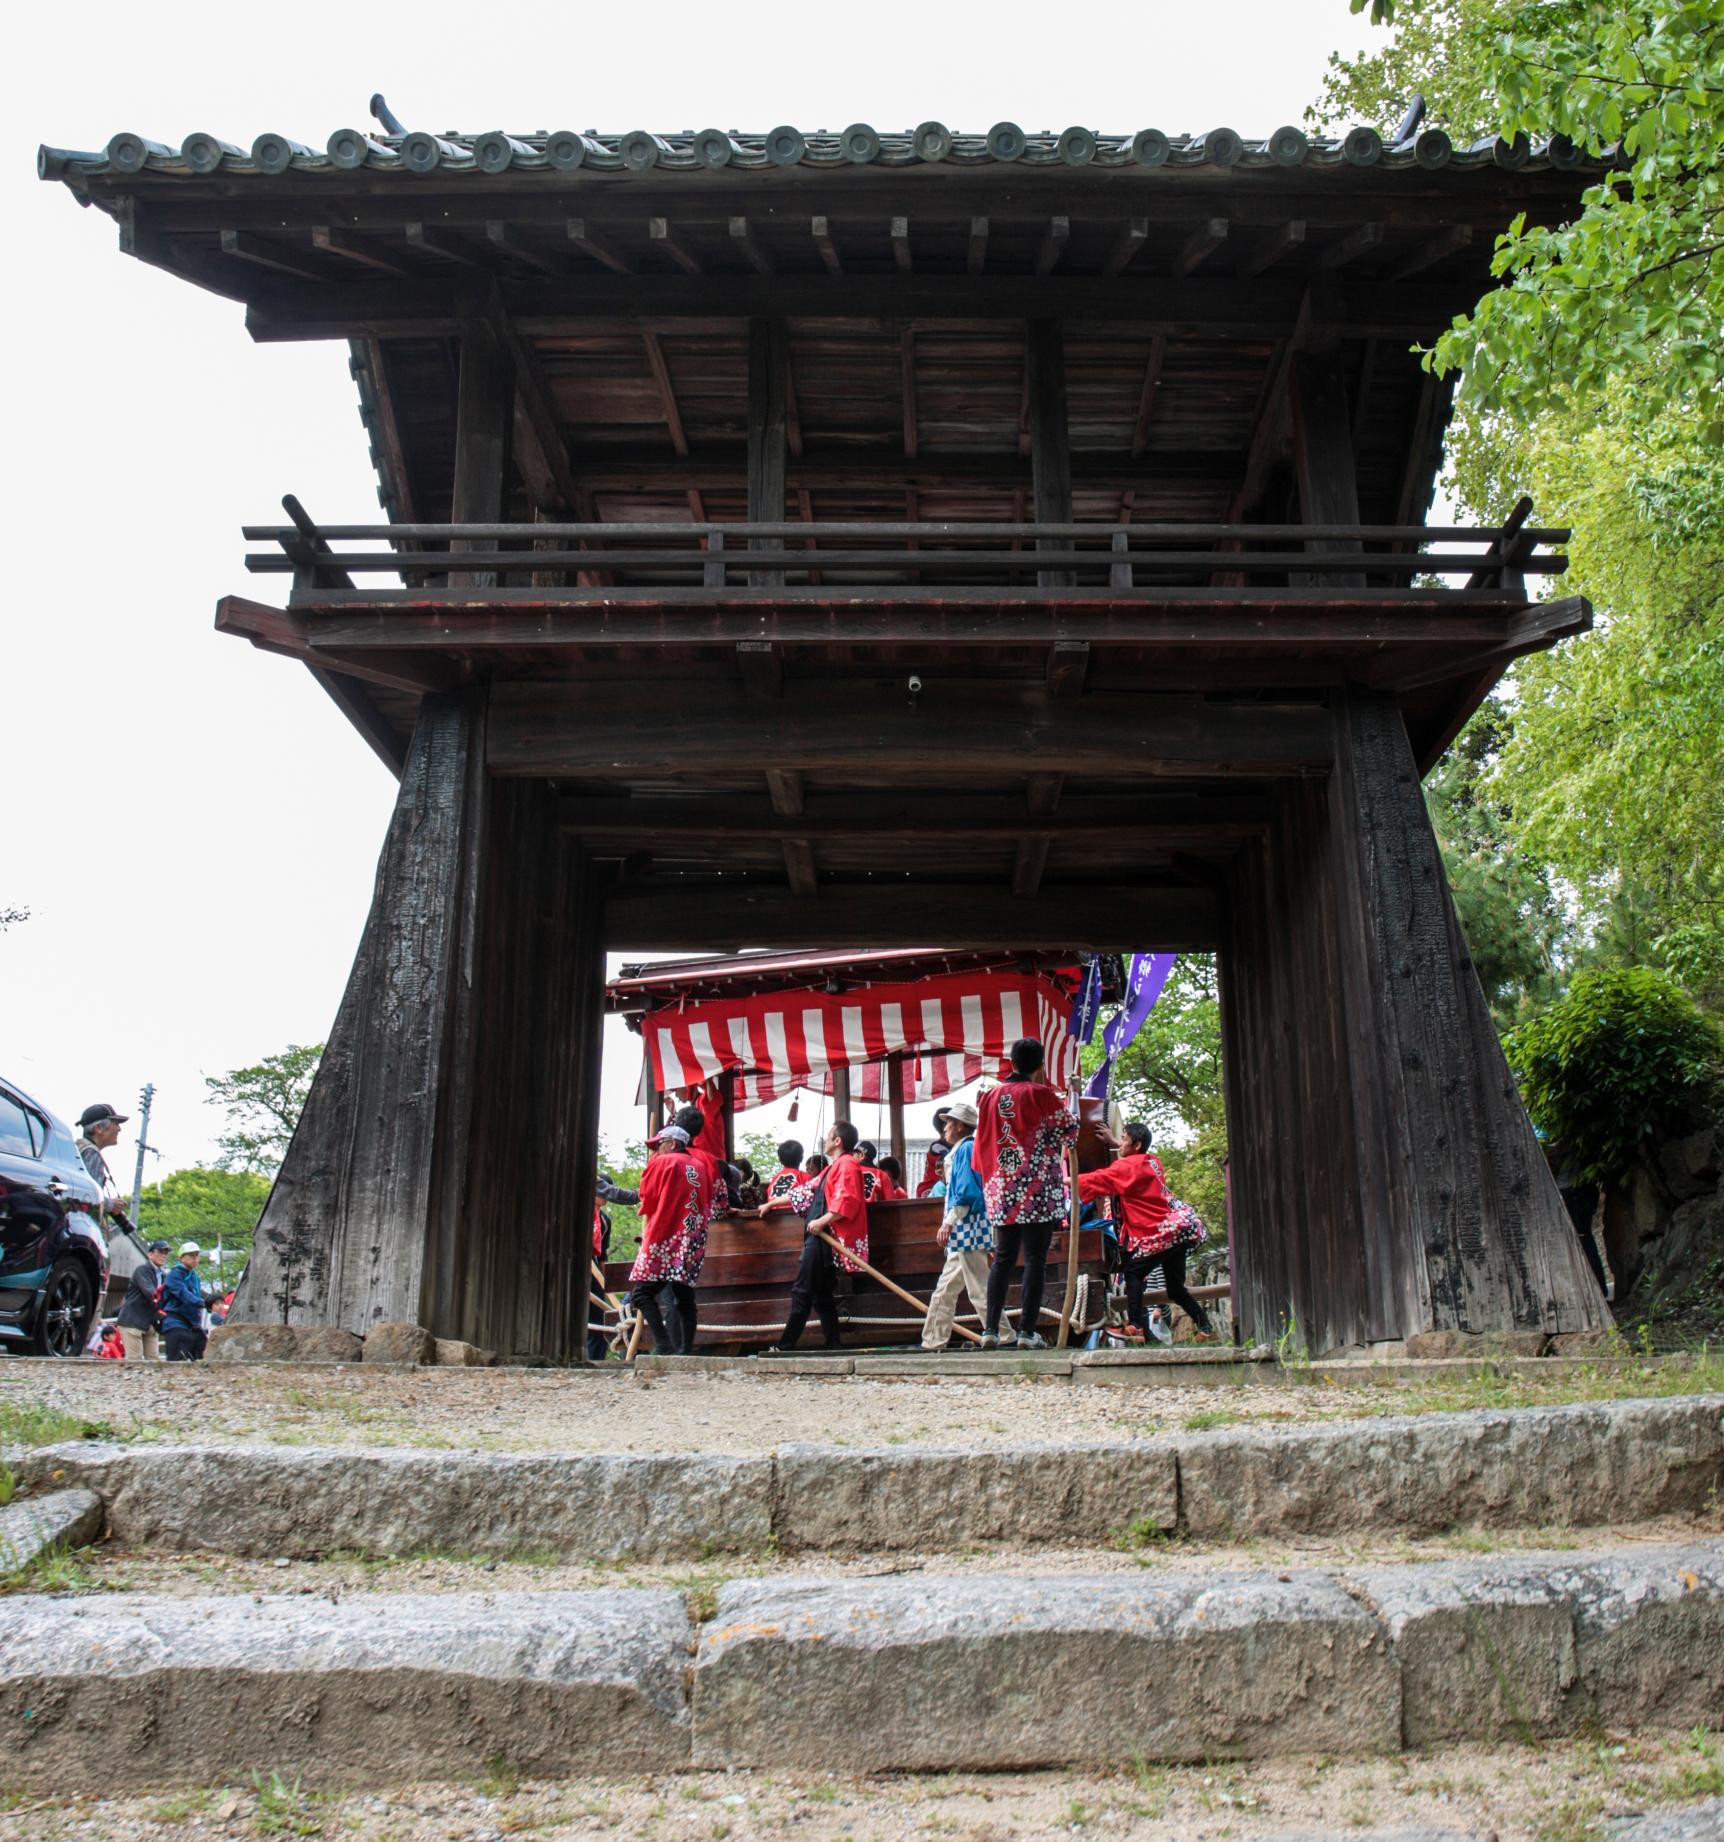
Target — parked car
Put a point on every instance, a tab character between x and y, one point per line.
53	1253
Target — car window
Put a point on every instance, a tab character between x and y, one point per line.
14	1129
40	1131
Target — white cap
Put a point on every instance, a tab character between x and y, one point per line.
189	1247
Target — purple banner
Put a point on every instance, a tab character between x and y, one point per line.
1087	1010
1148	974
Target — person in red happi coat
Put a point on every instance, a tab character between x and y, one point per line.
1149	1228
1022	1131
676	1205
837	1205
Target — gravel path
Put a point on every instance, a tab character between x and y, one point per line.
576	1411
1508	1794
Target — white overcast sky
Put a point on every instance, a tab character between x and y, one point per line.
192	825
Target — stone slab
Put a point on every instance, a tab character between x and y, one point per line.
994	1672
378	1687
302	1500
764	1366
1542	1644
1593	1463
916	1497
969	1364
1222	1356
33	1525
1701	1822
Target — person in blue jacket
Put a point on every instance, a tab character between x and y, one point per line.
183	1307
965	1234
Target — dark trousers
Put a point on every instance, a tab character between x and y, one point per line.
813	1287
184	1345
1138	1268
1032	1239
677	1341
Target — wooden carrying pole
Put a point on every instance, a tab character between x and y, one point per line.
891	1285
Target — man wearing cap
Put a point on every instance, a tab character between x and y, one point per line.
964	1233
676	1204
183	1308
141	1309
99	1131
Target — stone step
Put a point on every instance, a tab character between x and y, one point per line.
968	1672
1586	1465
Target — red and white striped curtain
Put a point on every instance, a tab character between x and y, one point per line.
951	1030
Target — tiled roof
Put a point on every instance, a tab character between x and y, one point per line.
712	149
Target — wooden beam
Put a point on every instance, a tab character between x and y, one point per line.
976	248
663	237
1059	918
799	867
1152	821
280	257
761	666
1068	667
742	238
901	245
433	240
1193	308
591	241
1357	242
503	237
1146	395
352	246
666	394
894	1073
1268	249
907	366
386	430
1050	441
616	731
1203	242
1422	256
1126	245
1053	244
823	241
784	788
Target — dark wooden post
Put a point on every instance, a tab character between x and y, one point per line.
768	430
484	419
894	1072
840	1094
1050	441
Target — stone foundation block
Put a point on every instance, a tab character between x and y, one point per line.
295	1500
1529	1467
328	1343
390	1342
253	1343
1423	1344
378	1688
911	1497
989	1672
1649	1635
454	1354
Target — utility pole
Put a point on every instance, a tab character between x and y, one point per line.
144	1100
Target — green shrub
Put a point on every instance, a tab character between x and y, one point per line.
1625	1059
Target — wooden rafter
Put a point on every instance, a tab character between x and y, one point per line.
1268	249
828	248
666	392
976	247
900	231
1053	244
1203	242
1146	395
742	238
907	367
591	241
662	236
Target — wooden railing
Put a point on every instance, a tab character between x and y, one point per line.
939	557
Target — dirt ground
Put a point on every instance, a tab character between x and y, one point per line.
617	1410
1572	1792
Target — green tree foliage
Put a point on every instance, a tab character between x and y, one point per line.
1512	915
1632	283
1602	766
1622	1061
206	1206
10	917
1170	1077
263	1105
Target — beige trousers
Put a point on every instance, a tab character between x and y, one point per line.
140	1344
962	1272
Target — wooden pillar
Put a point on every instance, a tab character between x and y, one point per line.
768	430
484	419
840	1093
345	1234
649	1084
1050	439
1385	1177
894	1072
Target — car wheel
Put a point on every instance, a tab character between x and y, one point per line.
63	1322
